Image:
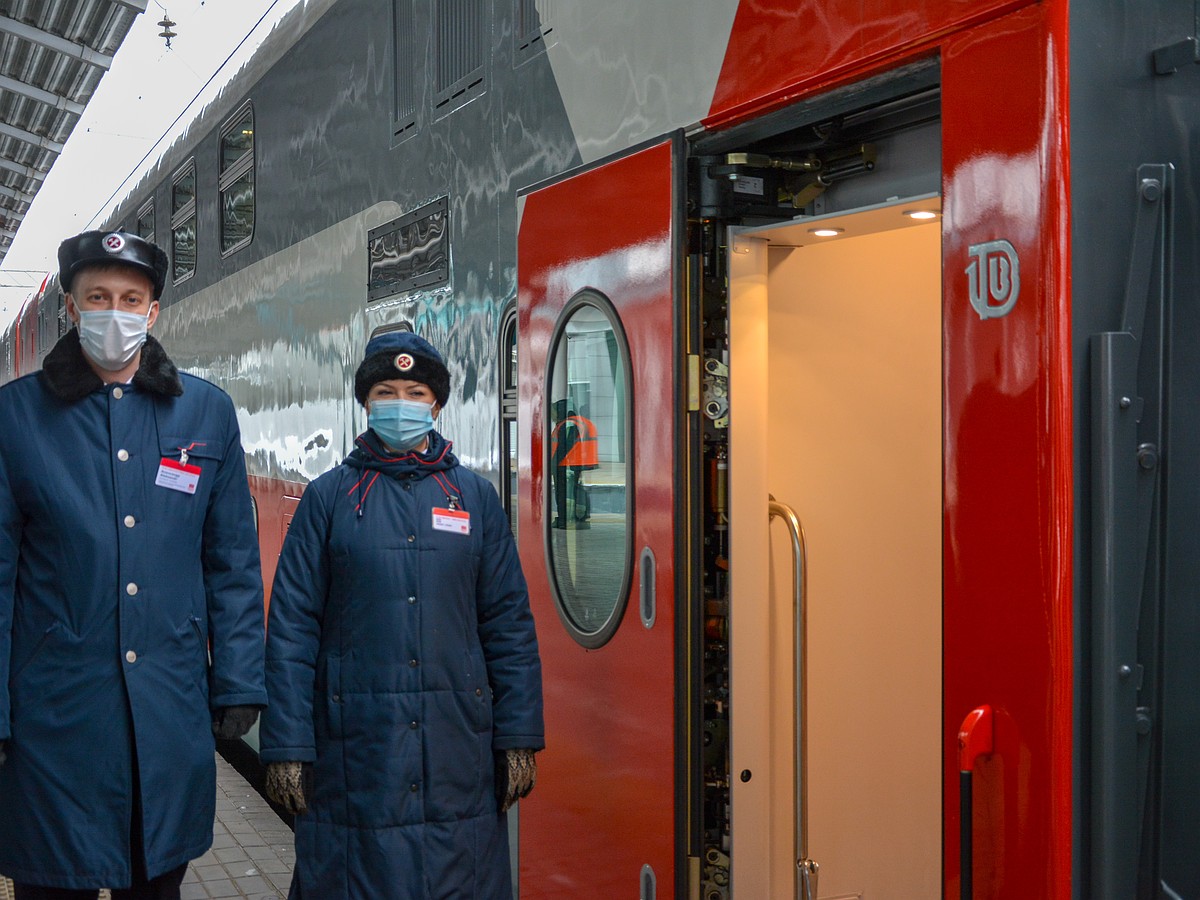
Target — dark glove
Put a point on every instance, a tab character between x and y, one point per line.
516	774
230	722
290	785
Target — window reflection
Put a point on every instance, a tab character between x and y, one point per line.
237	211
237	181
587	474
183	222
145	222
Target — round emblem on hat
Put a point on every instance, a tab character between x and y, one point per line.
113	243
404	361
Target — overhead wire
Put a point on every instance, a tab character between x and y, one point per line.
104	206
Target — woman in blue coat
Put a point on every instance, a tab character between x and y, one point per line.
402	664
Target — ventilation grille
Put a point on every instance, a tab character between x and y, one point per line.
406	65
460	42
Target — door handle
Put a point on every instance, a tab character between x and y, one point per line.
806	868
975	741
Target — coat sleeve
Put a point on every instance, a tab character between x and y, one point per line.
506	631
233	583
10	547
298	597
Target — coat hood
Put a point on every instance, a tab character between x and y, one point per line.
67	375
373	459
370	453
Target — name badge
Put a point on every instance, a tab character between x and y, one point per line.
177	476
456	521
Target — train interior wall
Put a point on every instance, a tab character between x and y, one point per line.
836	371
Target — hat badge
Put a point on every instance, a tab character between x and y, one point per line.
113	243
404	361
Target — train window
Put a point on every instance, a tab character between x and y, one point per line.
145	221
459	54
533	29
183	222
404	32
587	454
410	252
236	181
508	412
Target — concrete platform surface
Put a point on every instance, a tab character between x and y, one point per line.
252	855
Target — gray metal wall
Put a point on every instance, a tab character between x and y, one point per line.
281	324
1138	785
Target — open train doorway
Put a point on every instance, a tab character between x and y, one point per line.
835	380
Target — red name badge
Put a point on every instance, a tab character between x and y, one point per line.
456	521
177	476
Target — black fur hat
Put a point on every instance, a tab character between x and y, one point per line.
106	248
402	354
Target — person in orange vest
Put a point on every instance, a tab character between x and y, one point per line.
574	447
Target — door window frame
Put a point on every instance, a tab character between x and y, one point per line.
601	636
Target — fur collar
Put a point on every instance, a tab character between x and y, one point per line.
67	375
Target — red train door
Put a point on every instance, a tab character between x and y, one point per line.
597	320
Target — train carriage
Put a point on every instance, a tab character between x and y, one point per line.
878	583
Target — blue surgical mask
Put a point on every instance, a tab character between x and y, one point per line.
401	424
111	338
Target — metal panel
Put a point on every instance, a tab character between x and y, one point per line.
776	46
1008	626
607	801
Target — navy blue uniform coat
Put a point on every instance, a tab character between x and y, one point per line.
111	591
399	658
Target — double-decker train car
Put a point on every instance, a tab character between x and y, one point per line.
31	333
877	581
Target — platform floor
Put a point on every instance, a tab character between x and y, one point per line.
252	854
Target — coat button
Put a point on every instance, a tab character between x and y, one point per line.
337	698
131	657
131	589
130	521
122	454
118	393
412	663
414	788
412	599
478	692
413	725
407	486
411	538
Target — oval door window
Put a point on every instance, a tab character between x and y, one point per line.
588	480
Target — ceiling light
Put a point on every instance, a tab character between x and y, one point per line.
826	232
920	214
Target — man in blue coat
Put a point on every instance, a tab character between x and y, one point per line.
131	618
402	659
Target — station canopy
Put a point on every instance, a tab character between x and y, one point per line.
53	54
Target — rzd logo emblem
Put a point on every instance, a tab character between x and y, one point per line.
994	277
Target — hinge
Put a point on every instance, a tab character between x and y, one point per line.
693	382
1169	59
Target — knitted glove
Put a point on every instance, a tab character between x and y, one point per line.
290	785
516	774
230	722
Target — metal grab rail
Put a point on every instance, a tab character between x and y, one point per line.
806	869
